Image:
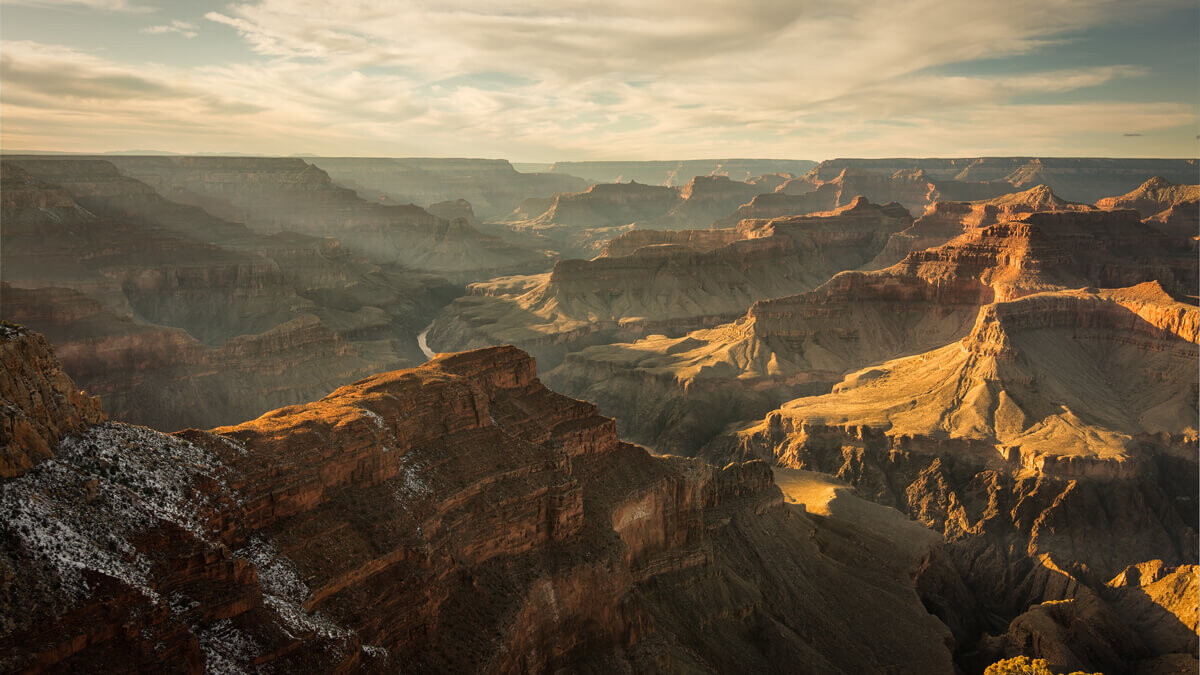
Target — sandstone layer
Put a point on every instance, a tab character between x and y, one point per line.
675	393
1049	447
1080	179
944	220
664	282
1152	197
458	517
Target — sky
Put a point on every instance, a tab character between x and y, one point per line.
619	79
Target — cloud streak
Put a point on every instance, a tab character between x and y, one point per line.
185	28
619	79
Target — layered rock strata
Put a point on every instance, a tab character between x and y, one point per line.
1049	447
492	186
675	393
466	520
178	318
279	194
667	282
1080	179
679	173
944	220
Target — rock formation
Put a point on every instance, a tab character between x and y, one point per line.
668	282
172	329
674	393
1152	197
41	404
492	186
1083	180
1049	447
468	520
944	220
679	173
278	194
456	209
912	188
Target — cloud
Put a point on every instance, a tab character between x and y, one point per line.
625	78
102	5
185	28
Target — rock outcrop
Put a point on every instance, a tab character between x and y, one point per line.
577	224
456	209
675	393
664	282
280	194
1080	179
944	220
41	404
679	173
492	186
177	318
912	188
458	517
1152	197
1047	446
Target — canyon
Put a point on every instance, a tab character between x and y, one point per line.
664	282
896	415
177	318
674	393
470	519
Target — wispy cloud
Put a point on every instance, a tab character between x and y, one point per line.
567	78
185	28
103	5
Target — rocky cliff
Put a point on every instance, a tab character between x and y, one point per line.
281	194
492	186
944	220
675	393
1152	197
1081	179
1048	447
679	173
466	520
911	187
41	404
666	282
154	305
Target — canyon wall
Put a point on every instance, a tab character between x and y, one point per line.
175	317
469	520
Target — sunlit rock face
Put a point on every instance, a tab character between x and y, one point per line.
944	220
674	393
469	520
1048	446
665	282
1085	179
